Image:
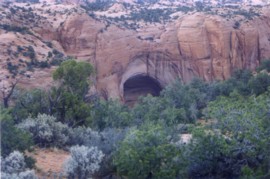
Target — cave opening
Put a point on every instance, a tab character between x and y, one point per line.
140	85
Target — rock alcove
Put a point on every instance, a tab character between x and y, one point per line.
147	73
140	85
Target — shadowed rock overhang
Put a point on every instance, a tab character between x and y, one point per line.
140	85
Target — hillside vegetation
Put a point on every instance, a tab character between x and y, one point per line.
227	124
193	128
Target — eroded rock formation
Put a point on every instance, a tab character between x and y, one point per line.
195	45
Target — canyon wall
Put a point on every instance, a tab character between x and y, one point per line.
194	45
197	45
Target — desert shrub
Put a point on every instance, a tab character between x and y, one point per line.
151	15
73	76
158	110
84	162
19	49
30	103
12	138
13	166
111	138
243	127
66	101
43	64
148	153
69	108
185	9
210	157
84	136
30	162
57	57
107	141
260	83
13	69
182	96
55	61
22	30
49	44
97	5
178	103
236	25
14	163
199	6
142	2
49	55
110	142
265	65
28	174
109	114
30	53
25	1
238	82
247	14
69	95
46	131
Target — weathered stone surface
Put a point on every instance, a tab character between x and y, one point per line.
195	45
212	48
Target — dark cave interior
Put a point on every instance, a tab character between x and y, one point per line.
140	85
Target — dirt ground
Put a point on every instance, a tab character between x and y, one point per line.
49	162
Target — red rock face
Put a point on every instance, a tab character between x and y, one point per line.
213	48
196	45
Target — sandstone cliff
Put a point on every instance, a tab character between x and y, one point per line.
212	48
194	45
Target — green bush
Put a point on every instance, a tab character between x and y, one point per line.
243	123
22	30
46	132
109	114
12	138
84	162
30	103
31	54
74	76
185	9
13	69
211	156
158	110
148	153
260	83
43	64
236	25
14	166
265	65
97	5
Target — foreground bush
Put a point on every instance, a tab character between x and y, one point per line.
84	162
243	148
46	131
14	167
109	114
12	138
107	141
148	153
265	65
30	103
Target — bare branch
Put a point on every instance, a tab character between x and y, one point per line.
6	96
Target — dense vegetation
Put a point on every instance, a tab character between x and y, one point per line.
97	5
228	124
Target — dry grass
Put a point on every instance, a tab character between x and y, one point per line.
49	161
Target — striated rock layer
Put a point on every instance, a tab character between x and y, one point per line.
195	45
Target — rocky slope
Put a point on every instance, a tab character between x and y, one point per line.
193	44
